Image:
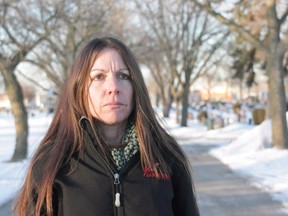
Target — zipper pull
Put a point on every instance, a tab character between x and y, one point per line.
116	179
117	200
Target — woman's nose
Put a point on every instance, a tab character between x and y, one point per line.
113	86
114	91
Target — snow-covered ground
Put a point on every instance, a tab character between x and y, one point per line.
12	174
245	148
251	154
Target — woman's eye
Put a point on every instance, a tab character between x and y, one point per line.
124	76
99	77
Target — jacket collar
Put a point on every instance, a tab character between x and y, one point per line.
86	125
84	122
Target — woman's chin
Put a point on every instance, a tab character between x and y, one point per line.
114	121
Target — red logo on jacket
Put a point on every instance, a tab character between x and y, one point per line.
150	172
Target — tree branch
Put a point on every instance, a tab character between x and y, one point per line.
32	81
284	16
232	25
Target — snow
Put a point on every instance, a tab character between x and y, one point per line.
251	154
246	149
12	173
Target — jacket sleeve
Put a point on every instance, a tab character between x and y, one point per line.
184	201
37	175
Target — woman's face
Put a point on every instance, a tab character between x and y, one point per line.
110	93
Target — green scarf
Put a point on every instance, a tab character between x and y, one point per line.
131	146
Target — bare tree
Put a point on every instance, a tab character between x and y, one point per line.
188	38
22	29
77	22
46	34
272	41
151	55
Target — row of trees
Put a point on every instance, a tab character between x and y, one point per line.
46	34
183	40
263	25
188	38
178	40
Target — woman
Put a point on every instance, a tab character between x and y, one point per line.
105	152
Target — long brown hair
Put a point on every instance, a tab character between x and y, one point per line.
65	137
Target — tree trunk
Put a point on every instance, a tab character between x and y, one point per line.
157	100
177	110
185	106
15	95
167	103
277	101
166	109
240	90
275	71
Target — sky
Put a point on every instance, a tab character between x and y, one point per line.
246	149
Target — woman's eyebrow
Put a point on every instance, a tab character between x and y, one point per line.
124	69
96	69
102	70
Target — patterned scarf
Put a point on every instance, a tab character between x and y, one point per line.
131	146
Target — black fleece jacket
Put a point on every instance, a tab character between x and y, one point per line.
96	188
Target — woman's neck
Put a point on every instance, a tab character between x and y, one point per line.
113	134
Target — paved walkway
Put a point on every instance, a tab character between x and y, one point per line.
5	210
221	192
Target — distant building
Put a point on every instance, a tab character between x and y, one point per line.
4	102
232	90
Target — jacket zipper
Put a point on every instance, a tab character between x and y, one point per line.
116	182
117	194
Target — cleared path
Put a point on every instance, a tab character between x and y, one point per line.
5	210
222	192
